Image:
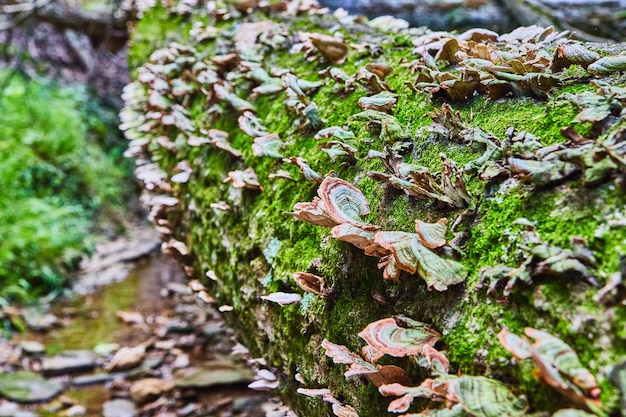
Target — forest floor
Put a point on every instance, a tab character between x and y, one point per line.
143	344
130	338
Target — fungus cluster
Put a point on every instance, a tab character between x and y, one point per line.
401	336
341	205
517	63
558	365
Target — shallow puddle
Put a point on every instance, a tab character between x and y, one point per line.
180	333
92	319
96	321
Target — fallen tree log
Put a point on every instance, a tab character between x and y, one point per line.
403	203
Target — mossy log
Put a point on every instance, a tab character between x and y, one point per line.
550	224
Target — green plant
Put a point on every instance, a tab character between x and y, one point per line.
55	176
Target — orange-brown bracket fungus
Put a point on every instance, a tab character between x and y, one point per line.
282	298
558	364
311	283
377	374
244	179
344	202
387	337
313	212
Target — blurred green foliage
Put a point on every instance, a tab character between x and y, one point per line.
61	168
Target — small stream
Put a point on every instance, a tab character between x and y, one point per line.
182	335
92	319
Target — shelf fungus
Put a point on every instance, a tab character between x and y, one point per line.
344	410
377	374
608	65
244	179
361	238
485	397
314	392
332	48
567	54
264	380
451	190
339	409
431	358
542	172
311	283
337	133
406	394
313	212
183	172
305	169
195	140
391	130
371	81
543	259
282	298
432	235
224	92
476	395
268	145
339	150
384	101
219	139
558	364
251	125
176	249
388	338
282	174
411	255
343	202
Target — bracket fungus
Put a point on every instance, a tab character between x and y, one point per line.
219	139
485	397
282	298
411	255
336	132
391	130
311	283
406	395
268	145
224	92
558	364
338	150
361	238
244	179
386	337
332	48
543	259
432	235
313	212
305	169
423	184
384	101
377	374
344	202
251	125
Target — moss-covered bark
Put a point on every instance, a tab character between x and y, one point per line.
254	248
